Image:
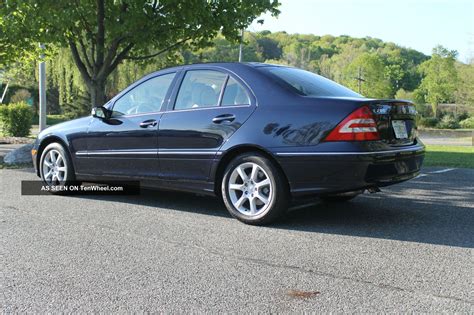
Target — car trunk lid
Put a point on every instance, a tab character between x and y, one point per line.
396	121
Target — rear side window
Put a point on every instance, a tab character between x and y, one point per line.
307	83
235	94
200	88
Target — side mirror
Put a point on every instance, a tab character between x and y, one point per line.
100	112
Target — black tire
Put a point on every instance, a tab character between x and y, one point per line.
69	174
278	196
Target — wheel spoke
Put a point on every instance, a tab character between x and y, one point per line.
52	157
59	159
262	198
241	201
48	164
242	173
236	187
253	205
48	175
263	183
253	175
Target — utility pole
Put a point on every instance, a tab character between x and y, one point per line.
241	46
360	79
42	90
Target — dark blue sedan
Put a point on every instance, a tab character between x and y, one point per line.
256	135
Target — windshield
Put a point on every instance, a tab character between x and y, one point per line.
309	84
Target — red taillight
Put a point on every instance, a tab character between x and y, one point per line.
358	126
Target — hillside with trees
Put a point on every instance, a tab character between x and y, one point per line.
368	65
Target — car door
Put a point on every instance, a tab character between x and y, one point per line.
126	144
207	108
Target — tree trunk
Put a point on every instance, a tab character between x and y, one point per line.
97	93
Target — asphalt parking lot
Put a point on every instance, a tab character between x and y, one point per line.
409	248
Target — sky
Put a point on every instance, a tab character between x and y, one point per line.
417	24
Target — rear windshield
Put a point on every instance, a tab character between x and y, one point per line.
309	84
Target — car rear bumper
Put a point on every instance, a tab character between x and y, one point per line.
315	173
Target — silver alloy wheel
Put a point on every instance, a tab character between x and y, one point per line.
54	168
250	189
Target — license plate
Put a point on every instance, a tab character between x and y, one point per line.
400	129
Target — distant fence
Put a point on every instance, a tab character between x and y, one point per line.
447	137
456	108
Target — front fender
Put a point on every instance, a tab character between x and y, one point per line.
72	135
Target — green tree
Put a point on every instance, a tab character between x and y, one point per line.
223	50
440	78
102	34
269	48
465	89
404	95
372	68
12	46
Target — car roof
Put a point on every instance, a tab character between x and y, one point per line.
226	65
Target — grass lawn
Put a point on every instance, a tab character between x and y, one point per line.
450	156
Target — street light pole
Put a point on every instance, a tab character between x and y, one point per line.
241	45
42	91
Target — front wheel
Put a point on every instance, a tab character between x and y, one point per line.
254	190
56	166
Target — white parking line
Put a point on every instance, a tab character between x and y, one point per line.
442	171
421	175
435	172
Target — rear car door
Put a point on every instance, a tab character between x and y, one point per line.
126	145
207	108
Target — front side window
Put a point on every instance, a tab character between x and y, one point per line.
200	88
235	94
144	98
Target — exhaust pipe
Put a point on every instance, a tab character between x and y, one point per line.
373	190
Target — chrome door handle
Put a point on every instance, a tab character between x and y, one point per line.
148	123
224	117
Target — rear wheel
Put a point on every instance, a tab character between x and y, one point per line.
254	190
56	166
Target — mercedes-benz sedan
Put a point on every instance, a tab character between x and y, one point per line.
256	135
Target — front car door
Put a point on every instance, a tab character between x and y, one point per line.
207	108
126	145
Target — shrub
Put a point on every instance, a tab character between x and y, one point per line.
463	116
16	119
448	122
423	110
21	95
429	122
467	123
